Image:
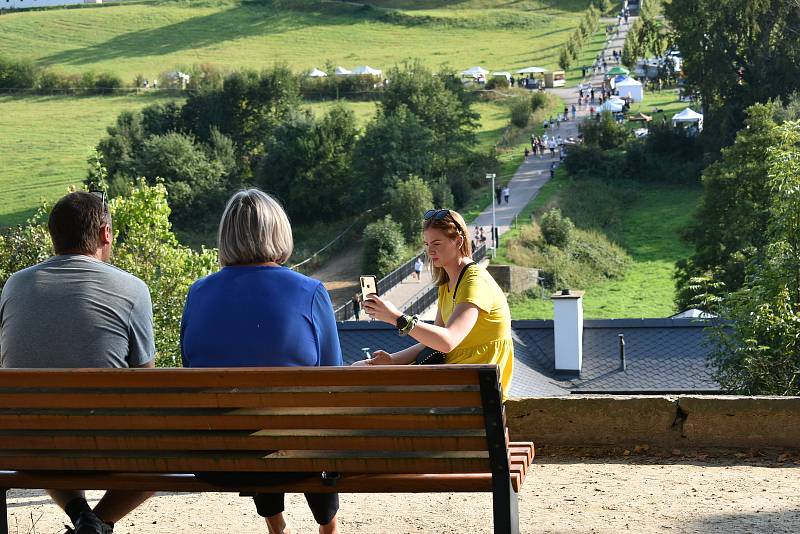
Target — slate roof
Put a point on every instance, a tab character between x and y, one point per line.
663	356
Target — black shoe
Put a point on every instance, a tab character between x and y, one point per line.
89	523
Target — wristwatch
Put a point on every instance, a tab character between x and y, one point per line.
405	323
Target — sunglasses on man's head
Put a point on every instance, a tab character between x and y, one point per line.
101	194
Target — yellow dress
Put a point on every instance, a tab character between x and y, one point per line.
489	341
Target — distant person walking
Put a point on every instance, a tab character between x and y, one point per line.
506	193
498	192
527	153
357	306
418	268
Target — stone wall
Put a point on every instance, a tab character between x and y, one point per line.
513	279
663	421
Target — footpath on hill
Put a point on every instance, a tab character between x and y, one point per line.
340	275
531	175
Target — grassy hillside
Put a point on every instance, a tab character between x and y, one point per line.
649	232
153	37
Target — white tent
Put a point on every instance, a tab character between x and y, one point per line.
531	70
610	105
341	71
316	73
630	88
502	74
687	115
366	70
475	72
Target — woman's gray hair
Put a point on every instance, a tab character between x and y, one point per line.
254	229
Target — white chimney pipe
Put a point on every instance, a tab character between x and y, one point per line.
568	330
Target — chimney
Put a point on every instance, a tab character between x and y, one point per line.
568	331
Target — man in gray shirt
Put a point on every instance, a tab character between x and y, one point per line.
75	310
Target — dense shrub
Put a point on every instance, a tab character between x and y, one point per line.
556	229
564	58
105	83
384	247
605	133
520	111
587	160
17	74
497	82
407	201
442	193
539	101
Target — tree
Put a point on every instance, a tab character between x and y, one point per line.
308	165
735	54
440	103
758	352
393	146
408	201
384	247
195	183
729	228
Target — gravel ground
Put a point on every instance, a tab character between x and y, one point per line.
597	495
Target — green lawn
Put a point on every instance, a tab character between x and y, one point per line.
149	38
650	235
46	141
666	101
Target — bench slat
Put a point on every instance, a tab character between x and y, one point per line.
242	400
282	461
259	440
243	377
348	483
236	420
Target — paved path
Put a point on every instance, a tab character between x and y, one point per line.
526	183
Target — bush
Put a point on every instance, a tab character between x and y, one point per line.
407	202
520	111
538	101
17	74
556	229
106	83
442	193
497	82
605	133
384	247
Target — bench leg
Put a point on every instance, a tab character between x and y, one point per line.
505	505
3	512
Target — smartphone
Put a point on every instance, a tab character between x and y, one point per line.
369	286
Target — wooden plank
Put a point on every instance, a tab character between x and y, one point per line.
280	461
237	420
356	483
242	377
520	447
240	400
261	440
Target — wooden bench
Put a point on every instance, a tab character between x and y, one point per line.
388	429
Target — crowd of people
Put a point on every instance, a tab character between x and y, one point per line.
75	310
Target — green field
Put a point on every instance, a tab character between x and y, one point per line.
650	234
150	38
47	140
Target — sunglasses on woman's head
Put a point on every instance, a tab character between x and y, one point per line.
436	215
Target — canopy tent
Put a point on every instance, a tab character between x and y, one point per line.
366	70
688	116
630	88
531	70
610	106
617	71
475	72
502	74
316	73
341	71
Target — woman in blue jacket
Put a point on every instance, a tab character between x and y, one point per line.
256	313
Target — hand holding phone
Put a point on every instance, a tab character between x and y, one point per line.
369	286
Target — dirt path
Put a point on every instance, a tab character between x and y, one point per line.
340	273
602	496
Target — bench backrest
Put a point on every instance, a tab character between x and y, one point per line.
431	419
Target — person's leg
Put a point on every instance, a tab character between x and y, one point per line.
116	504
324	506
270	507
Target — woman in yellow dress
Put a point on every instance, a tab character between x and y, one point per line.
473	322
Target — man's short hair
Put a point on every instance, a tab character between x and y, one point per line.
75	223
254	229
